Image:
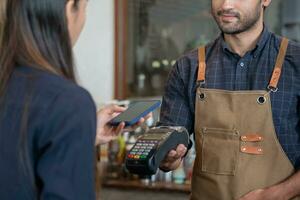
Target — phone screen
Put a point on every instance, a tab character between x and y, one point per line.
135	111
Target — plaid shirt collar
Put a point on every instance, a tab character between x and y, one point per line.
264	37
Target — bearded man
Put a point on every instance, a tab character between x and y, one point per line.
240	98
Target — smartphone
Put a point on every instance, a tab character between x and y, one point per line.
135	112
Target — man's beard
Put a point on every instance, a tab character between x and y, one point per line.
241	25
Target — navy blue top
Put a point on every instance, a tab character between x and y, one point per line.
227	70
59	138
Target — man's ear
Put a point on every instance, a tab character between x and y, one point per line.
266	3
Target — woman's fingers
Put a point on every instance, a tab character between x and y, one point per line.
119	128
116	109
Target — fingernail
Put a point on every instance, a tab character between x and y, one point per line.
182	148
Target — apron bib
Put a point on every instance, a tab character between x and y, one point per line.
237	150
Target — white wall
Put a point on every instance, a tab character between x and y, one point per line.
94	51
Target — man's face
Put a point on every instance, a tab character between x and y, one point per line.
236	16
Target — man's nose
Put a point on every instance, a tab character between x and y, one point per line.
228	4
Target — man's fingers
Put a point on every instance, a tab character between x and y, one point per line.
171	161
172	156
181	150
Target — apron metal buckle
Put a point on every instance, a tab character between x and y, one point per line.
272	89
200	83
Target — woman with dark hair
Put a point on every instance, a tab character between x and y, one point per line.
48	123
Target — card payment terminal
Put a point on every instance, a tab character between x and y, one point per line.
150	149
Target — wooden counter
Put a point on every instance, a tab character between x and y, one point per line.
139	185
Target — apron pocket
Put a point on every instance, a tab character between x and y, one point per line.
220	148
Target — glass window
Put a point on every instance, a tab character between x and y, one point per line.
152	34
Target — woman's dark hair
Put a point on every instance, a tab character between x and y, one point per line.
2	17
35	34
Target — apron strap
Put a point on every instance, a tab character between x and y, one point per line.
278	66
202	65
276	72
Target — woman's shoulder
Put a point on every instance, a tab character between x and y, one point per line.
46	87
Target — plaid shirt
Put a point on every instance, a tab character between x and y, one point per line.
227	70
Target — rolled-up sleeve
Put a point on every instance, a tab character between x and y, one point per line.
176	108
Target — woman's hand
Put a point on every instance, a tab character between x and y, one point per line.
105	132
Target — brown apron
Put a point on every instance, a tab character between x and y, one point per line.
237	150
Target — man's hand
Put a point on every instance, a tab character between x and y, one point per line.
285	190
105	132
174	158
271	193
